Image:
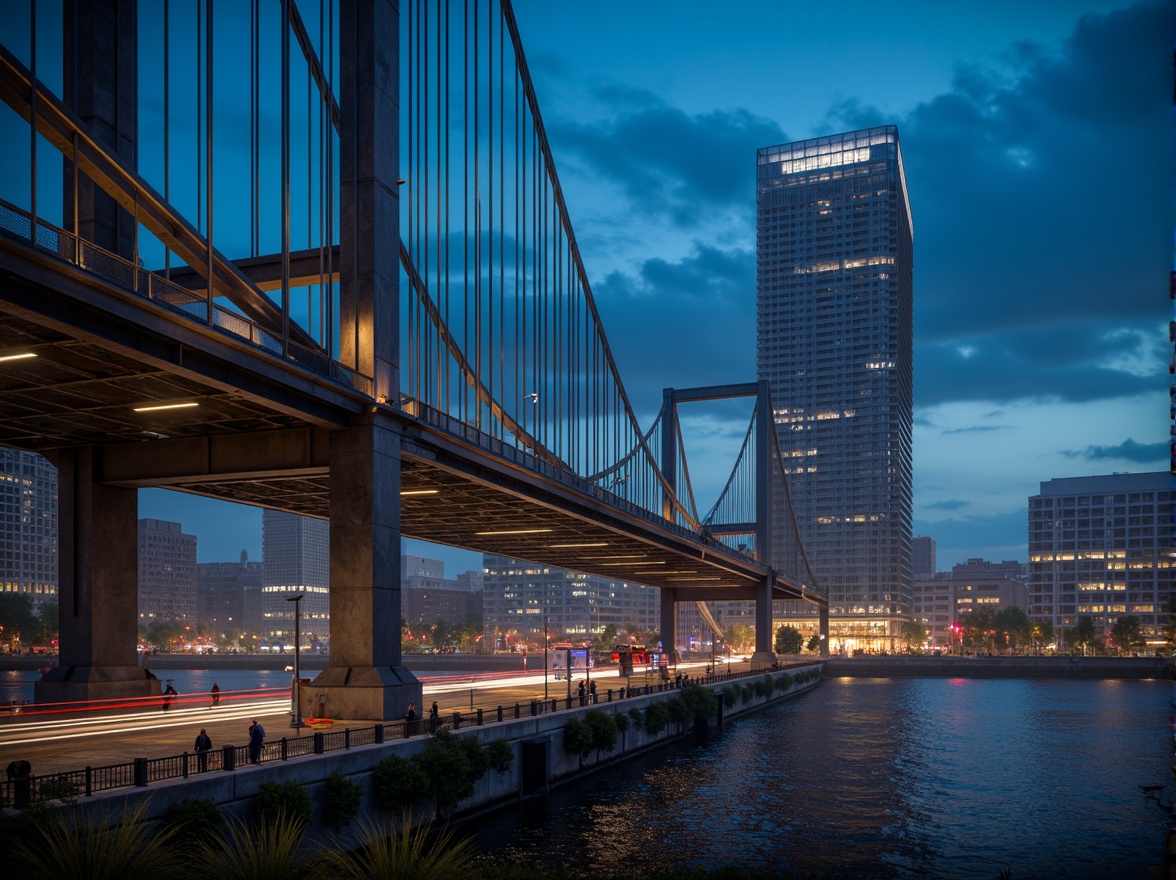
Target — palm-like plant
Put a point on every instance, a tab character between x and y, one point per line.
128	850
269	849
385	853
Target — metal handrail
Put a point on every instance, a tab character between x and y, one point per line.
16	224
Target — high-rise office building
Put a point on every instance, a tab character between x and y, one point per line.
167	574
295	558
28	525
1101	547
834	262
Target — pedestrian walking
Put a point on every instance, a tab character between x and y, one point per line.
580	690
202	747
215	694
168	695
256	738
434	716
592	693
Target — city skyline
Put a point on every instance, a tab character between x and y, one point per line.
1040	335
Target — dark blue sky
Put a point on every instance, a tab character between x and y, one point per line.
1037	139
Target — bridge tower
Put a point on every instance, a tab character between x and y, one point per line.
761	528
366	677
98	538
98	492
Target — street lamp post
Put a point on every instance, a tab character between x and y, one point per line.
296	687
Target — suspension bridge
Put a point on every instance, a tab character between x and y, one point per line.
315	256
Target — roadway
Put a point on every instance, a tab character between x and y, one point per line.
59	741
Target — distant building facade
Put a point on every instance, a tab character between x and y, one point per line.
520	600
427	596
28	525
228	596
834	270
924	556
295	555
1101	547
167	573
941	599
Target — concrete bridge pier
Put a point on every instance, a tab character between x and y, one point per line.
669	622
98	589
366	679
764	654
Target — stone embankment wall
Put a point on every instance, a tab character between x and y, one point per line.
542	735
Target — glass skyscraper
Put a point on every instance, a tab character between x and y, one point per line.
295	559
834	260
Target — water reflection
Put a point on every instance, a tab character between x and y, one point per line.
882	779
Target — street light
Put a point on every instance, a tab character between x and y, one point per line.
296	688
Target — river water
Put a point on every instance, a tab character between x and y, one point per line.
883	778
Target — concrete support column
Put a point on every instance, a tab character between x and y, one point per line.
764	654
365	679
100	73
823	617
669	623
98	589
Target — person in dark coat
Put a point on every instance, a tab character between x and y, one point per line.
215	694
202	747
168	695
256	738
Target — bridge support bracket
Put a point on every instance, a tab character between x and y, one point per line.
70	683
763	659
362	693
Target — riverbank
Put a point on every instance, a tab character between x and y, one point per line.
906	666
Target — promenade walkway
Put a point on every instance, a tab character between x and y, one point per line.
66	741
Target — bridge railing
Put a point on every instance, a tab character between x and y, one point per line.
141	772
16	225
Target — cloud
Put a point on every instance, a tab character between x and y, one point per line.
703	304
1031	254
1128	450
670	165
1002	534
1072	360
976	428
948	505
1041	235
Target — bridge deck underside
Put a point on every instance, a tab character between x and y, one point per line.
260	436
